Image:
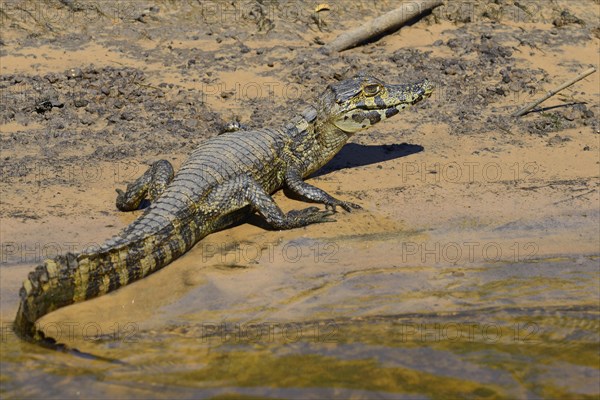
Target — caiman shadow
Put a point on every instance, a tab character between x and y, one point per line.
357	155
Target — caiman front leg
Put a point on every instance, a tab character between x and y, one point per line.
151	185
243	190
294	181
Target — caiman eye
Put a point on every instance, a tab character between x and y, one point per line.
372	90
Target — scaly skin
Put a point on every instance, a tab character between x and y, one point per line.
224	179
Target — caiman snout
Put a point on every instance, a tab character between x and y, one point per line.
425	88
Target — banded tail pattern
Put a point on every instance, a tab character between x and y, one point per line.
73	278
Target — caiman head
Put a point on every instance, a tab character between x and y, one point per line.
349	106
363	101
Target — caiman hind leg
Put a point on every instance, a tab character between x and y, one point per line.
294	181
243	190
150	185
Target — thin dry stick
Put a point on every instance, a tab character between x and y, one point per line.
386	22
553	92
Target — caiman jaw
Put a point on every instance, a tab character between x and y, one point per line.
364	101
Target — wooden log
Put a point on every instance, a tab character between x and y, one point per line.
390	21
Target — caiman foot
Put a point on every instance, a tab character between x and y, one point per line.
294	181
307	216
346	205
150	185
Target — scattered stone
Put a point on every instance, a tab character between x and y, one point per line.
52	77
56	102
86	119
227	94
557	139
572	114
73	73
43	106
59	124
80	103
127	116
566	18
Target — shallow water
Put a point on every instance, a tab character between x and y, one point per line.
361	326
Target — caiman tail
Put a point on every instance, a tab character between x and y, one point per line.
144	247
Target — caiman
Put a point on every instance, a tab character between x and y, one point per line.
224	179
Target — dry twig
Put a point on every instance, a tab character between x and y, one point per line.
551	93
